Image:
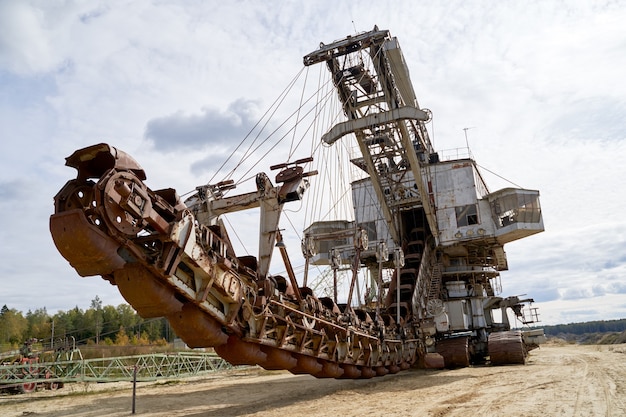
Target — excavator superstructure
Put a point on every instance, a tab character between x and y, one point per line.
426	229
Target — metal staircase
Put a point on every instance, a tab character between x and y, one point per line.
435	282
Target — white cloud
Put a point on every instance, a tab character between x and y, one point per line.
209	128
24	43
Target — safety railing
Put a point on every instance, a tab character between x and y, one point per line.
149	367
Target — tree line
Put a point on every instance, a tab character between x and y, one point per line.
96	325
120	325
599	326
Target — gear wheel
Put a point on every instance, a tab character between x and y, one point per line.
434	307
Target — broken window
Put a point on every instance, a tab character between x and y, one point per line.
516	206
466	215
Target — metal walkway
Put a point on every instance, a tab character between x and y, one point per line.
149	368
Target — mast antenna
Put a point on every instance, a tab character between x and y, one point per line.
465	129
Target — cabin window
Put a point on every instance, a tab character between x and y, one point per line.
516	206
466	215
324	246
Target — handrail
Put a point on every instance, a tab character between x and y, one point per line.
149	367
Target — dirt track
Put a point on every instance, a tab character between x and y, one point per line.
557	381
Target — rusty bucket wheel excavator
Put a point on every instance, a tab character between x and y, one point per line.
431	239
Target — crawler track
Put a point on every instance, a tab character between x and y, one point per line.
507	348
455	352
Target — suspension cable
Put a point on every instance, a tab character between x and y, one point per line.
278	100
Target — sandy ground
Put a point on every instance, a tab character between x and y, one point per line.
565	380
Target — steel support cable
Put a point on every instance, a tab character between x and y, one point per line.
293	139
326	171
322	194
333	208
334	159
312	125
234	230
372	199
323	161
316	144
250	151
346	60
499	176
335	181
325	99
315	193
281	97
343	174
298	269
242	179
320	83
262	157
339	177
330	178
296	231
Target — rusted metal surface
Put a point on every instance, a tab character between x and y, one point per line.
455	351
94	161
165	264
507	348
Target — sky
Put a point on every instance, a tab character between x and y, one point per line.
177	85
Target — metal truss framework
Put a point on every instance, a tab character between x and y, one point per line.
149	368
